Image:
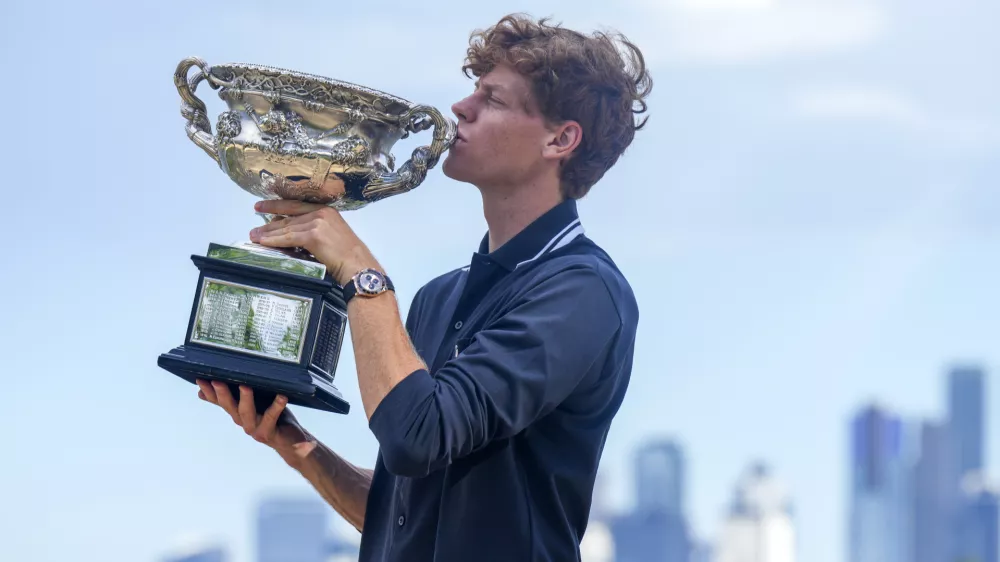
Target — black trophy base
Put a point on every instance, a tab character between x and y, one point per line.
276	331
267	381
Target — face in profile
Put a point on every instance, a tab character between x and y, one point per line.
501	138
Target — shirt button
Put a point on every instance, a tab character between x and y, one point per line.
401	520
458	325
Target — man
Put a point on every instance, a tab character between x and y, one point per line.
491	405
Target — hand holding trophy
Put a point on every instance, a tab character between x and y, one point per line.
274	319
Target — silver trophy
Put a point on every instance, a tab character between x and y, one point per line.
273	319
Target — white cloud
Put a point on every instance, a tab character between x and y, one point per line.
859	103
743	31
719	6
847	104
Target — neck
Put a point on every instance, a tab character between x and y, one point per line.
510	211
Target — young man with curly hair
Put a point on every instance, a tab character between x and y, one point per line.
492	402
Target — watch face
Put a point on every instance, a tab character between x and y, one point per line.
370	282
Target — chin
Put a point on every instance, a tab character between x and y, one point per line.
455	170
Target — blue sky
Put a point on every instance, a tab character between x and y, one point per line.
809	223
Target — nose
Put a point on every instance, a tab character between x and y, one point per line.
463	110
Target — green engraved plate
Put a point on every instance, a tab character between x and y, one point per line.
260	256
251	320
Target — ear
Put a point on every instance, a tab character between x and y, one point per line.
562	140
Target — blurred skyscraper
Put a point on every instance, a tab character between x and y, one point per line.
977	521
654	536
967	416
292	530
657	529
659	478
880	505
759	527
935	495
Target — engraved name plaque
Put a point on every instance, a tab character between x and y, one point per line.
251	320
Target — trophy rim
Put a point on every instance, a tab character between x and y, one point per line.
316	78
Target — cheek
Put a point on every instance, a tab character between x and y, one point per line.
511	141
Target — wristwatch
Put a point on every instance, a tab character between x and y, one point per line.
367	283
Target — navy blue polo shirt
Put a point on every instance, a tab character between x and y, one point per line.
491	453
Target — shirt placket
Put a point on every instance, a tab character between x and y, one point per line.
482	275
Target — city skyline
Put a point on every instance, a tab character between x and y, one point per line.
907	473
921	489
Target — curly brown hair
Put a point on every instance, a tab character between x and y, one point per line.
574	77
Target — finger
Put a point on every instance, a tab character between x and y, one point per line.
248	413
269	421
305	222
206	392
289	239
283	222
286	207
225	399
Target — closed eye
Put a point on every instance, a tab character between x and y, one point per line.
489	93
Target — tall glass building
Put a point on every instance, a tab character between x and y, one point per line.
967	416
657	529
659	478
935	495
292	530
978	521
879	514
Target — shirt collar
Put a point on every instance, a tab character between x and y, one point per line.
559	226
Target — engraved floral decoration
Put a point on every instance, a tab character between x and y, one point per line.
275	123
310	89
352	152
228	126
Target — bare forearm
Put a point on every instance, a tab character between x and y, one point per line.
382	348
383	352
344	486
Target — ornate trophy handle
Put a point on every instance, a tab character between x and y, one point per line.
414	170
198	128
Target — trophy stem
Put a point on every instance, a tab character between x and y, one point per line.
290	260
297	253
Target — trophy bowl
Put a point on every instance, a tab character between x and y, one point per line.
292	135
273	318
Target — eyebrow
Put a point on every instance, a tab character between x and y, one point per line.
498	88
491	87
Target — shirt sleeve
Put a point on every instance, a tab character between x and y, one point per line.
514	371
